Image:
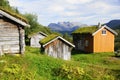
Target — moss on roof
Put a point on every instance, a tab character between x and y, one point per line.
12	13
90	29
48	38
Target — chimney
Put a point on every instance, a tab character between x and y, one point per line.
99	25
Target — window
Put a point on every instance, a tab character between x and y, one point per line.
103	32
86	43
80	43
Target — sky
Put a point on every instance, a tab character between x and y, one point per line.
84	11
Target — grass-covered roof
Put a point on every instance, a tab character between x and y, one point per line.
48	38
12	13
90	29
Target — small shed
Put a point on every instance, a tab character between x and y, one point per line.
12	33
57	47
94	39
35	38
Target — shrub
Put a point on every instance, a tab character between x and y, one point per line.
12	69
108	77
71	73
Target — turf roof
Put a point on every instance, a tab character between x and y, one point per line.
12	13
48	38
85	30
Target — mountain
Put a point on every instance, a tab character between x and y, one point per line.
65	26
114	24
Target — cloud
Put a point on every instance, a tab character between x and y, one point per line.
85	11
78	1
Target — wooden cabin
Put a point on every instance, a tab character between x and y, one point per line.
56	47
94	39
12	33
35	38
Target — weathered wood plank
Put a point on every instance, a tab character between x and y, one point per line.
9	42
10	34
34	41
9	38
58	49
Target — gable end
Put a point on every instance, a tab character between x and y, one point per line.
109	29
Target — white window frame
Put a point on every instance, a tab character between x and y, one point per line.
104	32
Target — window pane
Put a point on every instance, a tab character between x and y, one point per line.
103	31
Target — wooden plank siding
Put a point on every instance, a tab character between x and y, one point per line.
104	42
11	36
80	42
89	44
35	39
59	49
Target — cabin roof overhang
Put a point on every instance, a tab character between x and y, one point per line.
111	30
43	33
14	19
60	39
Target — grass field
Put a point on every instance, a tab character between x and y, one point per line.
35	66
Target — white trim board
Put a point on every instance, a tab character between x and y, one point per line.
61	39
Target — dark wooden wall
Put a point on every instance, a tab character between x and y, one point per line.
79	41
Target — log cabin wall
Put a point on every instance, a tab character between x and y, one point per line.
34	41
58	49
11	36
83	42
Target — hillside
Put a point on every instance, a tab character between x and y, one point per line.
36	66
114	24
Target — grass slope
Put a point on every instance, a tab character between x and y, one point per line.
36	66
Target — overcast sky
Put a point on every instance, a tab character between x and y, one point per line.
83	11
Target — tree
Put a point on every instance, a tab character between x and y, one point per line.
34	27
117	40
32	20
4	3
67	37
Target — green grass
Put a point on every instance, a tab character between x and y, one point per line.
107	60
19	16
48	38
35	66
90	29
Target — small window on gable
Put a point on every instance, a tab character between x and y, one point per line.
103	32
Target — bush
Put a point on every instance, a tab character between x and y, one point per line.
71	73
12	69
